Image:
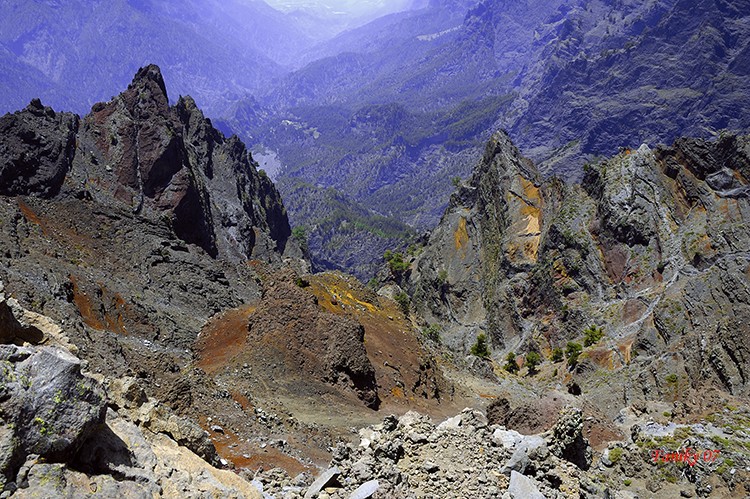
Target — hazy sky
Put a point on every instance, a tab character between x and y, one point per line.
351	7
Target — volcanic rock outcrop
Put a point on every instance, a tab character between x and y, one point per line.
138	152
293	338
37	150
651	248
131	227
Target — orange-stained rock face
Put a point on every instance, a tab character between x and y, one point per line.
406	373
298	341
651	247
460	236
525	204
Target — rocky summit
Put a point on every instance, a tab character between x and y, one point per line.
162	334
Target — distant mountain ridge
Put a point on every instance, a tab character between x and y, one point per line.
74	53
393	113
569	80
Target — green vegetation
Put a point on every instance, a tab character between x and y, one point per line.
557	354
673	384
533	359
615	455
510	363
627	482
480	349
572	352
725	466
302	283
456	182
592	335
44	428
432	332
468	120
396	262
403	302
81	388
299	234
442	277
373	283
669	475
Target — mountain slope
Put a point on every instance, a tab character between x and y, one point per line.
651	248
569	80
647	73
168	257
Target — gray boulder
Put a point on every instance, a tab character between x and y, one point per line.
529	447
365	490
321	482
522	487
48	406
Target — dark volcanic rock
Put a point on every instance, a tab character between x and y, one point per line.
11	329
158	160
36	150
146	236
146	178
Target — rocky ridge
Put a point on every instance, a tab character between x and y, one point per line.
649	247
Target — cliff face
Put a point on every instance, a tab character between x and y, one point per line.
137	152
652	247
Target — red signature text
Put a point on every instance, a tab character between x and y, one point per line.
687	455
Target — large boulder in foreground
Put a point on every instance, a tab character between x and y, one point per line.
48	406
